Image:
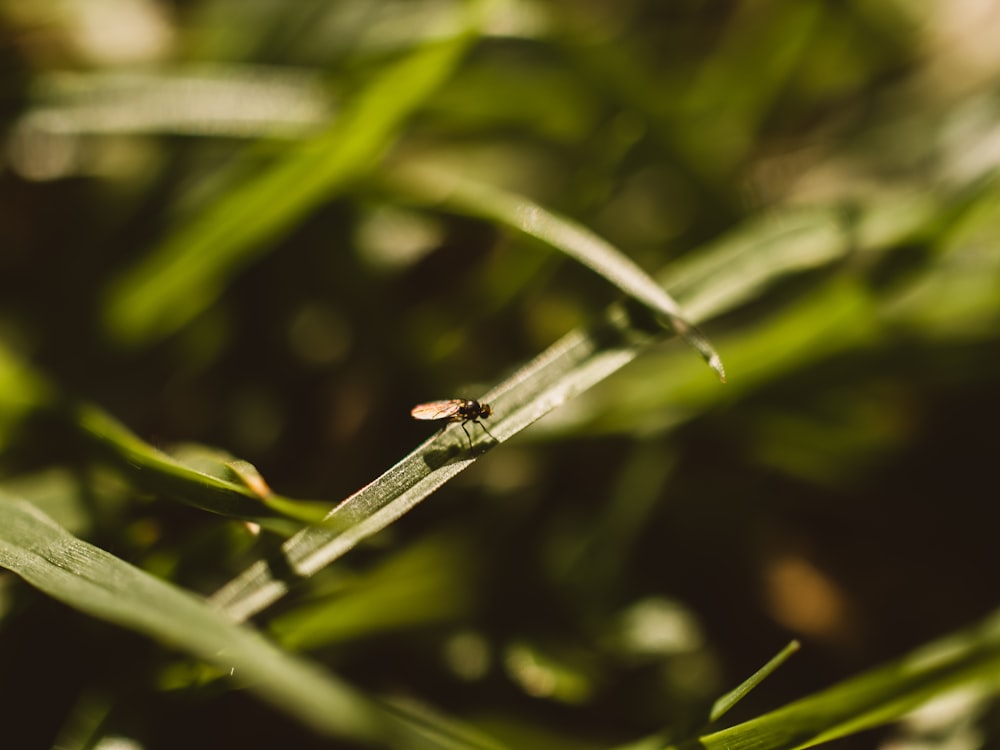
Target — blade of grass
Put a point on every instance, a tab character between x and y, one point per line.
730	699
212	482
241	496
448	190
740	266
186	273
192	99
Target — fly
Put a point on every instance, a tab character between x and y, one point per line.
459	410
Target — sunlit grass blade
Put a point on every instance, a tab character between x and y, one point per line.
662	739
226	488
570	366
186	273
196	99
95	582
730	699
741	265
204	478
968	660
456	193
835	315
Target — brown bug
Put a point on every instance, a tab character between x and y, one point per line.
460	410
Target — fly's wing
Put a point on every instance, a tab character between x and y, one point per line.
434	410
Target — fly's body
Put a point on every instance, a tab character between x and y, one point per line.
460	410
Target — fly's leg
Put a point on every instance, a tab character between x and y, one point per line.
486	430
462	425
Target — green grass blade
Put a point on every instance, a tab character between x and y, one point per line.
968	660
730	699
95	582
742	265
456	193
189	99
241	495
204	478
186	273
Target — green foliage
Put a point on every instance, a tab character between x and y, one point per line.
264	232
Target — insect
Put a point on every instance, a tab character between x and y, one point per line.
460	410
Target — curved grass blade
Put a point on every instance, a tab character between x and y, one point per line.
95	582
453	192
186	273
227	488
209	480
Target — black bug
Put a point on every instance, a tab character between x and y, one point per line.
460	410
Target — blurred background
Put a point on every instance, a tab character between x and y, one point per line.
613	569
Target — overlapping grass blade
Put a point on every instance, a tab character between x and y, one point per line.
572	365
213	482
186	273
969	660
237	495
453	192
